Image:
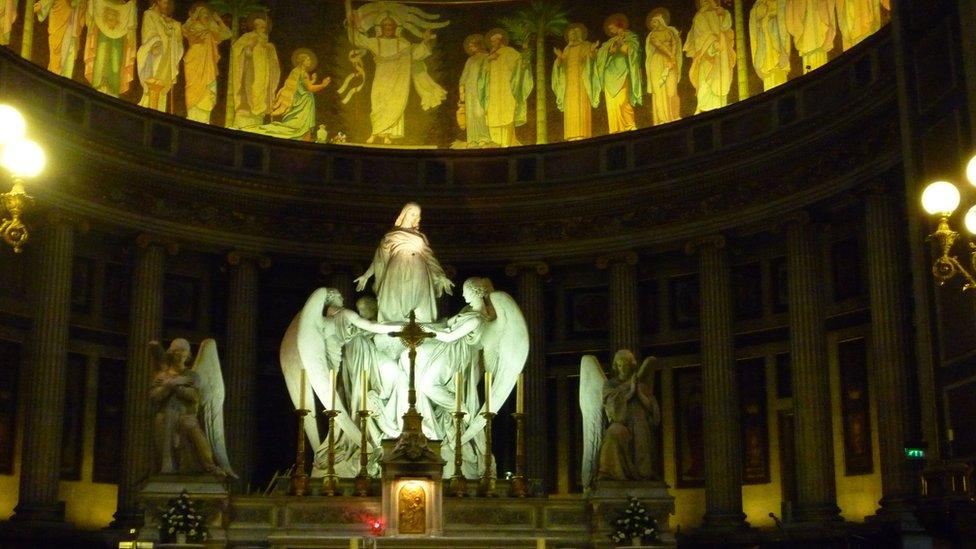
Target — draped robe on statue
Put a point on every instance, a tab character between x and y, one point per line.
627	451
504	87
711	45
813	27
770	42
8	15
200	66
572	82
475	117
398	64
254	78
159	58
405	272
110	46
295	104
618	74
64	23
857	20
663	66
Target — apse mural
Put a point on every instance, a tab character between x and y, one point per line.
435	74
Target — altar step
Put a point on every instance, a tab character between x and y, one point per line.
487	542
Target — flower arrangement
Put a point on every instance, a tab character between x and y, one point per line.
338	139
634	523
181	517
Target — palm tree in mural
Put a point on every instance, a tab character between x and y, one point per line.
741	48
535	23
237	10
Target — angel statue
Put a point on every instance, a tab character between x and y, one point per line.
326	337
623	446
188	420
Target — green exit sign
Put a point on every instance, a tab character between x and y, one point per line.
914	453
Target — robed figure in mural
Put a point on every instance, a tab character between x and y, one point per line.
110	45
572	83
505	85
812	25
204	30
617	72
65	20
711	46
471	112
857	20
407	275
663	64
295	101
255	74
159	55
8	16
770	42
377	27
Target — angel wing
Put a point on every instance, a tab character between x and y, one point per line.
592	380
209	381
505	341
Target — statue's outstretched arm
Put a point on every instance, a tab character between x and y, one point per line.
459	331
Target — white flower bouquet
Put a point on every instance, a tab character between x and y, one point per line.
182	517
634	523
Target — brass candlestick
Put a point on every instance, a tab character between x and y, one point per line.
16	202
487	479
330	483
459	484
519	487
299	478
362	479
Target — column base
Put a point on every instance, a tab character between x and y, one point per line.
817	514
726	530
715	522
40	514
128	518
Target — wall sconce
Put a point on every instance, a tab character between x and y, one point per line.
22	159
941	198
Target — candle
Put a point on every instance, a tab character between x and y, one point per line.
332	378
457	391
520	395
487	390
363	406
302	405
951	435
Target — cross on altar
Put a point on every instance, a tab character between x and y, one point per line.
412	335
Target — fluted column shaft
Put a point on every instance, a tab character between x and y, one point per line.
532	302
624	327
890	334
815	485
145	325
720	399
341	276
240	374
47	353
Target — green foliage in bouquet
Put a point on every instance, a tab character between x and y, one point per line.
182	517
634	522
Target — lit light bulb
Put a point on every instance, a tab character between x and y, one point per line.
12	125
940	198
971	171
23	158
970	220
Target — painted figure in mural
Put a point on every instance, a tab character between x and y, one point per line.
770	42
65	19
255	73
857	20
812	25
188	402
626	448
504	86
711	46
204	31
617	73
110	46
8	16
295	101
399	63
474	120
159	55
572	82
407	275
663	64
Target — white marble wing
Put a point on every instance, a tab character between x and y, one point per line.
592	380
505	343
303	347
208	380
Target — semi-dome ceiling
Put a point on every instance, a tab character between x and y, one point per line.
436	74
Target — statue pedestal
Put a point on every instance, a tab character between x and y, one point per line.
210	492
608	498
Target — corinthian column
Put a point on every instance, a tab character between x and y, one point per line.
890	334
340	276
625	329
240	373
145	325
815	489
47	351
532	302
720	399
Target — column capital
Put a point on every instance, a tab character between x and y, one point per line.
628	257
144	240
541	268
52	216
792	219
327	267
715	241
237	257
